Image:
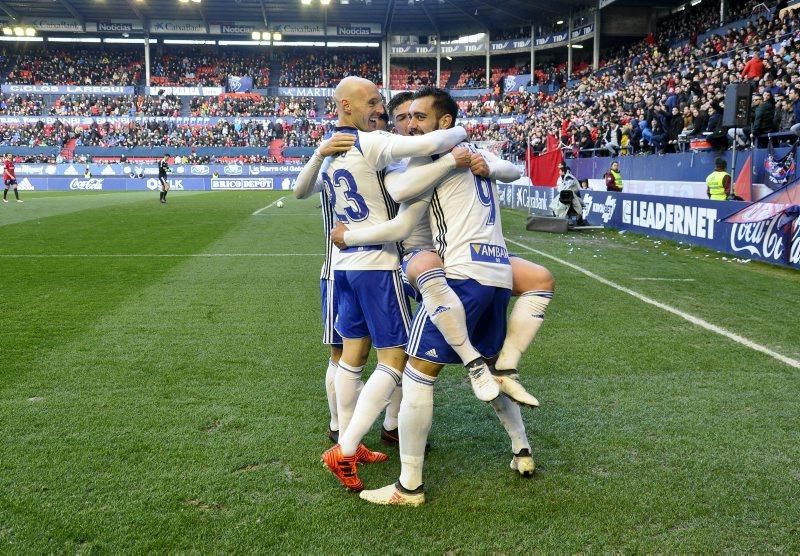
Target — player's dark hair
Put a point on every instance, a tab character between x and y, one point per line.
443	103
385	118
397	100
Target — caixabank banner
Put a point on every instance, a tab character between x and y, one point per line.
698	222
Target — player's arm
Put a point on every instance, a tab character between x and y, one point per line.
418	178
435	142
396	229
309	180
488	165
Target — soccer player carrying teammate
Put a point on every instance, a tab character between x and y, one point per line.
423	267
163	170
372	307
473	247
9	177
308	182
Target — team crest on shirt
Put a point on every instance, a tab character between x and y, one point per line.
488	253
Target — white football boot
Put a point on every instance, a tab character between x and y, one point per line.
523	463
394	495
511	387
483	383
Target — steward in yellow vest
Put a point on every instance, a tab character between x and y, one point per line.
719	181
613	178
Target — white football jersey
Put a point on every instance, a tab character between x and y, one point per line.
421	237
331	251
354	184
467	231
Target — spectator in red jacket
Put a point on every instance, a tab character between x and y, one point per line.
754	68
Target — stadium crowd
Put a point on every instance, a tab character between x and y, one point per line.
652	98
322	69
21	105
253	105
208	68
122	105
109	66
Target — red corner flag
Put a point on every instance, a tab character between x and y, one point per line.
744	181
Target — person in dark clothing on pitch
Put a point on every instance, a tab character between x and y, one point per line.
163	170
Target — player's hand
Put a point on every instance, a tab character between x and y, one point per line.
462	156
338	143
337	235
479	166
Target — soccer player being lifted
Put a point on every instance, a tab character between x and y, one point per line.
423	267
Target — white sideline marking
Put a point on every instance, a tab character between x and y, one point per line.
691	318
665	279
131	255
272	204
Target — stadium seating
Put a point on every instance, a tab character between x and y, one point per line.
681	67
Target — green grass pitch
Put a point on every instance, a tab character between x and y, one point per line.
161	390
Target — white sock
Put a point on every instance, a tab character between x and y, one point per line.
446	312
523	324
416	417
348	385
511	417
373	399
330	390
393	409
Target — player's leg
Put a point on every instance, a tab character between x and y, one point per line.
16	193
331	338
371	303
388	317
5	193
161	193
416	418
428	351
351	326
510	416
425	271
348	385
166	189
534	285
490	332
389	432
330	392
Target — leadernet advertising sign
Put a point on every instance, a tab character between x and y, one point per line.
695	221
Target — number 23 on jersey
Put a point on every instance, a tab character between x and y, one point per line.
344	184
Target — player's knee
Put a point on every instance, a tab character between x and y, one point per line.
528	276
425	367
393	357
422	262
355	351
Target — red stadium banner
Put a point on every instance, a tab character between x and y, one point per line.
543	169
744	182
